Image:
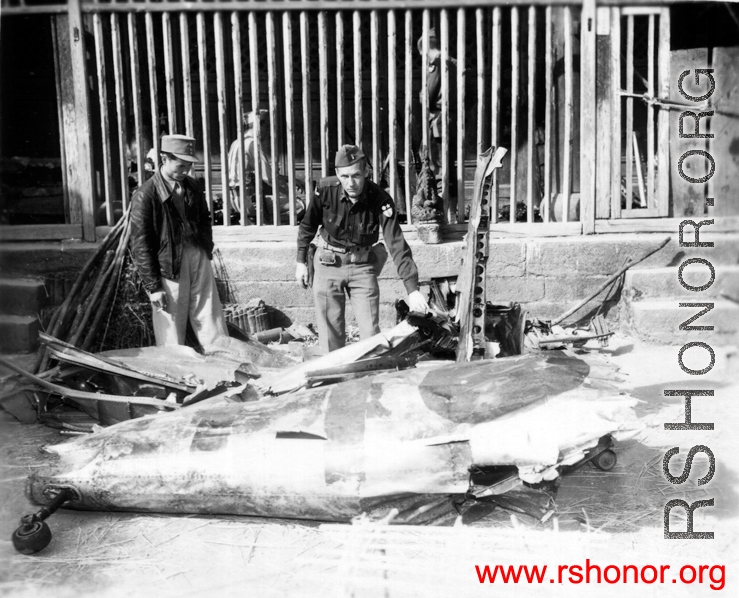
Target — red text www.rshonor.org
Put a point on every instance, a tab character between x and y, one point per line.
590	573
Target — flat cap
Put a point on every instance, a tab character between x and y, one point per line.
180	146
348	155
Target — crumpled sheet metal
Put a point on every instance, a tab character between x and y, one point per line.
379	344
329	453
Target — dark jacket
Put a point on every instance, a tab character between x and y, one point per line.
157	229
346	224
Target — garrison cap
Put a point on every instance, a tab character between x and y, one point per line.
180	146
348	155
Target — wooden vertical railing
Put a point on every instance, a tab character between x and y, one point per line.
287	40
272	103
495	119
449	208
323	87
461	98
239	103
169	75
548	128
136	102
105	128
305	70
515	63
120	110
375	102
530	95
153	92
407	111
392	103
372	102
340	82
255	106
204	107
357	38
186	74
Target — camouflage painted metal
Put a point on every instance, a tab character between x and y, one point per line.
331	453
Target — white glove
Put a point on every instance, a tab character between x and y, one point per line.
158	300
301	275
417	302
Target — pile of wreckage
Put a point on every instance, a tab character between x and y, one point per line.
441	418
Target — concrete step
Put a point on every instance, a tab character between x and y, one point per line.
22	296
18	334
659	322
661	283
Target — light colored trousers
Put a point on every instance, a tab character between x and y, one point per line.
332	284
194	295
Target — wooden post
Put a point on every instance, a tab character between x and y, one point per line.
120	105
480	43
186	76
59	28
340	83
531	158
287	40
461	115
587	117
323	82
204	105
650	198
567	163
104	119
495	108
133	49
663	118
169	76
239	104
305	69
357	28
272	86
604	110
153	93
374	77
449	209
548	99
222	114
615	112
407	106
254	75
392	103
78	150
426	20
629	108
515	60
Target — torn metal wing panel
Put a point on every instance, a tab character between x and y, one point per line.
331	452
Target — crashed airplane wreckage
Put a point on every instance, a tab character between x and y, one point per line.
371	428
333	452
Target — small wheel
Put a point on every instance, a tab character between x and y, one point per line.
605	460
32	538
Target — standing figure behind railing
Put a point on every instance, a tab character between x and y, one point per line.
434	99
268	189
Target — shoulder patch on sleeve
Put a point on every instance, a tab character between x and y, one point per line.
388	209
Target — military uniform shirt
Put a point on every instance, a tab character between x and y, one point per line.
359	224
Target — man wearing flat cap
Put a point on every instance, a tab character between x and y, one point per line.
351	211
172	245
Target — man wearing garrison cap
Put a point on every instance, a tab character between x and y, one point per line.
349	211
172	245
